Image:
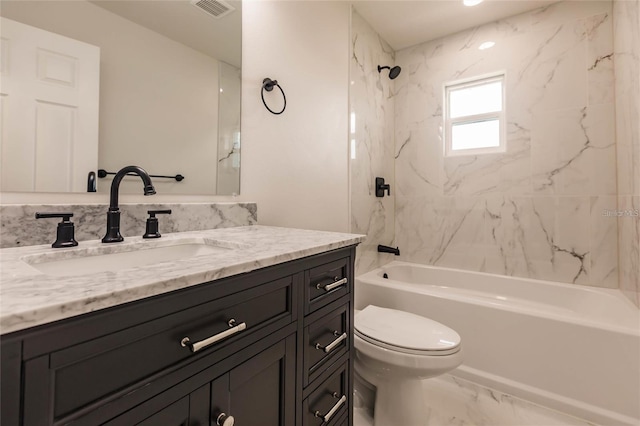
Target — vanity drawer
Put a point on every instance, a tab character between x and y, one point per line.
121	362
327	404
325	339
326	283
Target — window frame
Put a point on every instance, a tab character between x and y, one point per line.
449	122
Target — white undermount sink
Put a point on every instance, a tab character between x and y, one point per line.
119	256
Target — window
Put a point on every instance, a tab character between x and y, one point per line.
474	116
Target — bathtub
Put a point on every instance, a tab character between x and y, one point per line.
571	348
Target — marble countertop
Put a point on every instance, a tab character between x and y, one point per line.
29	297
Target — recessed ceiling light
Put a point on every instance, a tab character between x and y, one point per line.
471	2
487	45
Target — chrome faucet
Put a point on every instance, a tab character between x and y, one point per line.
113	215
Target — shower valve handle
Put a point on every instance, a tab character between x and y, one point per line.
381	187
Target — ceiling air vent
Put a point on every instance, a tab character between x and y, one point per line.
215	8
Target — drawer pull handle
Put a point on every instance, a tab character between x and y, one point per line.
329	287
333	344
195	347
333	410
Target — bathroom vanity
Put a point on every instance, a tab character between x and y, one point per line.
260	331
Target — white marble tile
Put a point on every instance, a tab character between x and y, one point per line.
547	238
505	173
599	29
629	246
566	11
445	231
628	143
371	142
418	90
373	217
418	158
565	224
627	89
604	242
460	240
573	151
508	222
554	67
455	401
452	401
539	237
528	212
560	153
626	21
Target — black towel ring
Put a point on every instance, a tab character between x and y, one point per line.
268	85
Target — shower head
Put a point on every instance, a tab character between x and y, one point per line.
393	72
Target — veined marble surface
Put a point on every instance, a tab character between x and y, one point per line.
372	143
539	209
19	227
626	17
29	298
452	401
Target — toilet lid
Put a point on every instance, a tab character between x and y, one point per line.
405	331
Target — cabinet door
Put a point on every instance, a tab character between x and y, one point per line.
261	390
10	371
166	410
174	414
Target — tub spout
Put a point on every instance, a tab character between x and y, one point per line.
387	249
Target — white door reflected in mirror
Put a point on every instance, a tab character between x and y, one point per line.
49	100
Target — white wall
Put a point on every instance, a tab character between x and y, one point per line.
294	165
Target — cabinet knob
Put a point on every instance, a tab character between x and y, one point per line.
224	420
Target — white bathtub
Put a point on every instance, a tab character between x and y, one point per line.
571	348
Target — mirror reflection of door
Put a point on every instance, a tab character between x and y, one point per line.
49	96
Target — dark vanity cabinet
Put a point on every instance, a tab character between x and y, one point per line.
269	347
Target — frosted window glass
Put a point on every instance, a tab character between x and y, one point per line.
476	99
479	134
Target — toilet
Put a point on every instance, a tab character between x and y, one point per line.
395	351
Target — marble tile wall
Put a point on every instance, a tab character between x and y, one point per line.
537	210
371	143
18	226
626	20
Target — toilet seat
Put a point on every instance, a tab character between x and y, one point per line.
405	332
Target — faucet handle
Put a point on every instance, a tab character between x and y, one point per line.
153	213
65	216
65	233
152	223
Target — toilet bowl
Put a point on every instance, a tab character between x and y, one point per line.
395	351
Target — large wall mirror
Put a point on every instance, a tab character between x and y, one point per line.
99	85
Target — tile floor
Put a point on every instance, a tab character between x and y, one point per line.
457	402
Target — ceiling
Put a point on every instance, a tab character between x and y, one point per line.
407	23
402	23
184	23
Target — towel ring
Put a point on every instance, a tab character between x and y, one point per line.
268	85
